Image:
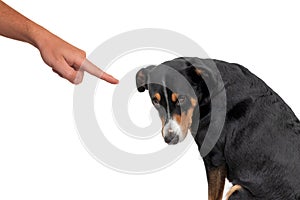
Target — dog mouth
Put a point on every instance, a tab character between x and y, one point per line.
172	141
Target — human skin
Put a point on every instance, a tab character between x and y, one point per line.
65	59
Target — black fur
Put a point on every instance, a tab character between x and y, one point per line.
260	141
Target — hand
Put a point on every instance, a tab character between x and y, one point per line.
64	59
68	61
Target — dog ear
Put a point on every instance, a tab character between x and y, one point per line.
203	77
196	75
199	74
202	70
142	78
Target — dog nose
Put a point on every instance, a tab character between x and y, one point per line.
171	139
170	135
168	138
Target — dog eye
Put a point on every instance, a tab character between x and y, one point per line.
181	100
155	102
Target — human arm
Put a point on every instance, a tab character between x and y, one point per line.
65	59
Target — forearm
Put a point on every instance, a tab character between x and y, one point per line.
65	59
16	26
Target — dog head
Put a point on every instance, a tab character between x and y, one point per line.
176	89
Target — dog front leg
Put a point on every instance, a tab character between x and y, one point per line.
216	179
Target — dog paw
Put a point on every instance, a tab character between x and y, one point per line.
237	192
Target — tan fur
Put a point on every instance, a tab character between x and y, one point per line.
177	118
174	97
157	96
163	121
193	102
232	190
185	119
216	181
198	71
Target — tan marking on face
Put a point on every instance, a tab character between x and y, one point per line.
163	121
157	96
185	119
198	71
177	118
174	97
233	190
193	102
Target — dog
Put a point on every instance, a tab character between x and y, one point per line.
258	149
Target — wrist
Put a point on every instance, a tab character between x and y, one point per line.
37	35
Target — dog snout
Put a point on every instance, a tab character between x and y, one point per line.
168	138
171	138
170	131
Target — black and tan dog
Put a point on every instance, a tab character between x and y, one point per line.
258	150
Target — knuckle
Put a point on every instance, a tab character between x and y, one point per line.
83	53
81	56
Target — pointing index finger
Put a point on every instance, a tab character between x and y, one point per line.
92	69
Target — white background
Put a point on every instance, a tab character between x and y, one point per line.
41	156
